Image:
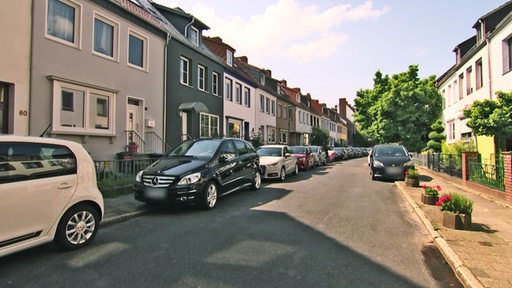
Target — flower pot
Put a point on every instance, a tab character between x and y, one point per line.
456	221
132	148
412	182
429	199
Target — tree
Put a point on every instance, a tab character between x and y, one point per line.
436	136
399	109
320	137
492	118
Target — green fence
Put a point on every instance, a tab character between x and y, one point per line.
115	177
490	175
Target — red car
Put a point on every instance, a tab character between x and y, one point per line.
305	158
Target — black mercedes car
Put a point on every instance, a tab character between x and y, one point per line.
200	171
389	161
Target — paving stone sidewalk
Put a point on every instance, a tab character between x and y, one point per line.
480	257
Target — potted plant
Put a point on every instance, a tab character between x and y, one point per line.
457	211
412	178
430	194
132	147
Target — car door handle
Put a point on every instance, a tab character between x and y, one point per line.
63	186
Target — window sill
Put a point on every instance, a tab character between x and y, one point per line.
84	134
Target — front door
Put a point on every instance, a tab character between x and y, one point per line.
4	108
134	122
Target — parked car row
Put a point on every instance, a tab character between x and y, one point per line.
344	153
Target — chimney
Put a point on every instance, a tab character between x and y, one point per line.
244	59
268	72
284	82
343	107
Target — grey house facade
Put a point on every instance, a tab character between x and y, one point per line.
194	77
96	75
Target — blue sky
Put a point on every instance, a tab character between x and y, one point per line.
332	49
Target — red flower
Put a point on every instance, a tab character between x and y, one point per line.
438	188
406	173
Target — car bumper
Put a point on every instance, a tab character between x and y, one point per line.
270	172
168	195
391	173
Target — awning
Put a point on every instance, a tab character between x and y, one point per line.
197	107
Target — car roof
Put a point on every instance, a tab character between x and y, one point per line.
273	146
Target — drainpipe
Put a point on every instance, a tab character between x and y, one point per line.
188	25
164	106
491	96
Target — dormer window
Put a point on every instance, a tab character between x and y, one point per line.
193	36
229	58
262	79
297	97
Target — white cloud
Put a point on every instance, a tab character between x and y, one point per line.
286	29
420	51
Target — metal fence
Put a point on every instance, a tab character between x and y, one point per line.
490	175
450	164
116	177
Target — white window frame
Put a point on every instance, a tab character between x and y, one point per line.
229	58
262	103
201	77
60	85
273	107
184	71
211	132
145	53
247	97
215	83
507	54
238	93
196	41
77	25
267	105
479	74
228	89
115	37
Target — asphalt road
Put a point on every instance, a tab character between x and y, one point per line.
328	227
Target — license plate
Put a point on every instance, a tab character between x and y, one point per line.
155	193
395	170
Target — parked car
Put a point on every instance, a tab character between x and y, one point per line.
199	171
331	155
390	161
277	161
319	154
341	153
305	157
48	192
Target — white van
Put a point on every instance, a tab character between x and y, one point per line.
48	192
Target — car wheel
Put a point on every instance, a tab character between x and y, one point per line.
373	176
296	170
210	195
282	177
77	227
256	182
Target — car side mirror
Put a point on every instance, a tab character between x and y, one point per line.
223	158
287	155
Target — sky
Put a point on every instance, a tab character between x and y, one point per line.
333	48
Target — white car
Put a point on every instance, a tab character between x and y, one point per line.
48	192
277	161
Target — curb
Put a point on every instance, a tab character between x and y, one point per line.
466	277
122	217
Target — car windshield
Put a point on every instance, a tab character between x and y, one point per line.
270	151
390	151
314	149
299	150
201	148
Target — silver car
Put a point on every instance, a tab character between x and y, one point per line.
277	161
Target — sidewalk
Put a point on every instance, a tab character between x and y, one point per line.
481	257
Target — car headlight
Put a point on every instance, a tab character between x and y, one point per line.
138	177
377	164
190	179
273	164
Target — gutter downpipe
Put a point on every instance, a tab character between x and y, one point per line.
188	25
164	106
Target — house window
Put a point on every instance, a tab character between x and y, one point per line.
247	97
238	93
451	130
105	37
137	50
507	55
215	83
229	58
271	132
479	74
209	125
273	108
82	109
279	110
267	105
228	89
201	77
461	87
469	73
63	21
193	36
284	136
262	79
262	103
184	71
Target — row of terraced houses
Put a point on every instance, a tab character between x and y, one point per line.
113	74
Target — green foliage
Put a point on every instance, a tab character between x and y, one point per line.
458	147
320	137
492	118
431	191
436	136
399	109
112	184
455	203
412	174
256	139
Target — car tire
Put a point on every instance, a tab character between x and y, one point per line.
296	170
209	196
77	227
282	175
256	182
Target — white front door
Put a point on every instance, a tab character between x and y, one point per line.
133	123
